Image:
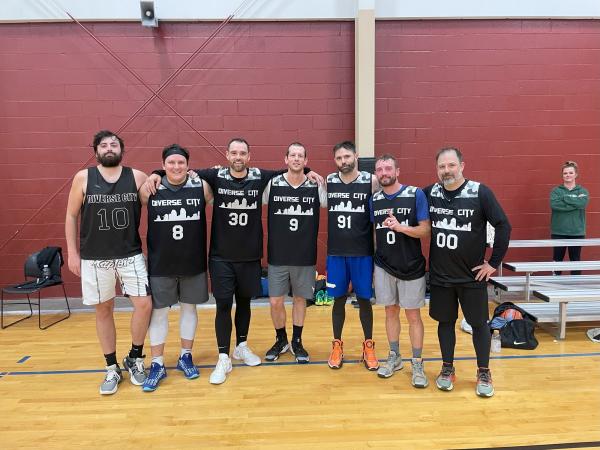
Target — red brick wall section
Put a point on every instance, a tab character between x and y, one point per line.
517	96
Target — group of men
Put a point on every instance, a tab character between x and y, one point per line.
360	205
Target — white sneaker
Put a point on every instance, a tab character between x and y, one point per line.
464	325
243	353
223	367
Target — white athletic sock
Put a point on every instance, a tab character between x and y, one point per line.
159	360
184	351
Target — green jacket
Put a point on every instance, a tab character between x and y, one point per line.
568	210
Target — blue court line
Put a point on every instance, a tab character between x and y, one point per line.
23	359
314	363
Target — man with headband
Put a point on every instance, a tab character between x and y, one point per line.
176	260
110	248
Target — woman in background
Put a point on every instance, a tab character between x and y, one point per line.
568	202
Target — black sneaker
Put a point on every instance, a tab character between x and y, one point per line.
299	351
278	348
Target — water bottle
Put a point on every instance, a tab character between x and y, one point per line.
496	342
46	272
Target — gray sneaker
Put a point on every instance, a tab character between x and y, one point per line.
419	379
485	388
446	378
111	380
393	363
135	367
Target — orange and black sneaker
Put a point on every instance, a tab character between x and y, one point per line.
336	358
368	356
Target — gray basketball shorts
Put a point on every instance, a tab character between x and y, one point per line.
389	290
300	278
167	291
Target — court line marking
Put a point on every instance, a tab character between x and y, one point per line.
314	363
541	446
23	359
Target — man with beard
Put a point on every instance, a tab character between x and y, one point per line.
236	245
459	211
401	219
106	198
176	260
294	203
350	249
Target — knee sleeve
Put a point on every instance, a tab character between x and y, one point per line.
159	326
188	321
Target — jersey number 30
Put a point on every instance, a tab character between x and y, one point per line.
238	219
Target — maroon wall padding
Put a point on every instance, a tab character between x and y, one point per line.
518	97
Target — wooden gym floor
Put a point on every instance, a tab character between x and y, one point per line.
49	393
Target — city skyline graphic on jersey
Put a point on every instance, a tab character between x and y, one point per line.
236	204
347	207
382	224
294	211
174	216
444	224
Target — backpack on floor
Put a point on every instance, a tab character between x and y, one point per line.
519	329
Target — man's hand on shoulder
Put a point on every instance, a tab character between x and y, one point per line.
152	183
315	177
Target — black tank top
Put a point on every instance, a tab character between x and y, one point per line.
396	253
458	234
236	230
177	230
349	228
110	217
293	223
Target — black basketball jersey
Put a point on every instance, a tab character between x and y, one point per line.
236	230
177	230
110	217
293	223
396	253
349	228
458	235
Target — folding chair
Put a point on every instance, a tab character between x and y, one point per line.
35	282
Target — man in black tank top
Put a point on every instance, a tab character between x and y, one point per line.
293	223
350	249
401	219
235	248
460	210
106	198
176	260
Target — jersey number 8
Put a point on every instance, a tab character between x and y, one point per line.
177	232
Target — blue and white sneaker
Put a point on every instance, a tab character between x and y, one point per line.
157	373
187	366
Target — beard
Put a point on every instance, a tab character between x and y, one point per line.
109	159
386	181
347	168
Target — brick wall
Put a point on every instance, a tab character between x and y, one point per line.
517	96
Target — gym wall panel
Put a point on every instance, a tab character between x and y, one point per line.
517	96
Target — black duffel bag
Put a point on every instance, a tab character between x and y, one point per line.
519	330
